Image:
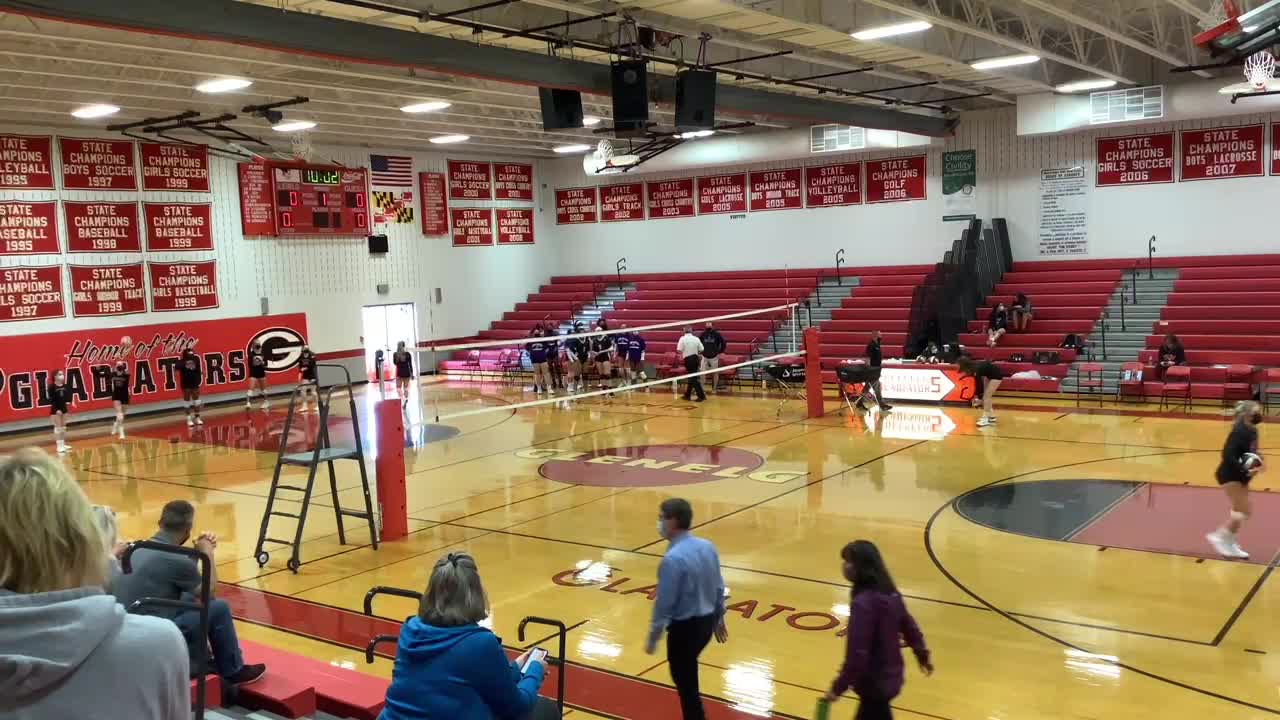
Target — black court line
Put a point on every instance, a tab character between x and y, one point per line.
1257	585
928	544
794	489
1061	416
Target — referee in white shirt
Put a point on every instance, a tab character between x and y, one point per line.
690	348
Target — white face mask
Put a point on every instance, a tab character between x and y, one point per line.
662	530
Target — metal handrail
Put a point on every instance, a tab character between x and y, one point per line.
202	606
1151	251
386	590
619	267
559	661
1123	301
1133	272
839	262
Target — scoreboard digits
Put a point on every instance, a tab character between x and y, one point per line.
321	200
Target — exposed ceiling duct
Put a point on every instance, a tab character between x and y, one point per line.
249	24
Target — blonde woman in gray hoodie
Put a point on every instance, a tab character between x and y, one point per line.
67	649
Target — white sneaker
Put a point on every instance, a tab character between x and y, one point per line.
1238	552
62	448
1225	544
199	420
985	421
266	405
121	433
248	404
190	421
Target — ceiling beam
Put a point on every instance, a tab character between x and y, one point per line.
990	35
1190	8
1111	33
248	24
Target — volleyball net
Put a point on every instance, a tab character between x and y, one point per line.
499	369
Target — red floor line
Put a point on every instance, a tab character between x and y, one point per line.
592	689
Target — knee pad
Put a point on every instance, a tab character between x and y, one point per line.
1239	516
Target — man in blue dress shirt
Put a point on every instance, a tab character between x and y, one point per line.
690	602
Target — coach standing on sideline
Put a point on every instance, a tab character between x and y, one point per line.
690	348
712	345
689	604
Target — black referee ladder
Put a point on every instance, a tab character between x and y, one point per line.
325	453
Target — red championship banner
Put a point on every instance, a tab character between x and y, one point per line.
257	207
1223	152
515	226
435	211
98	290
471	226
101	226
512	181
896	179
26	162
1275	148
722	194
1135	160
777	190
29	293
27	362
183	286
92	164
576	205
175	166
831	185
622	202
174	227
670	198
470	180
29	228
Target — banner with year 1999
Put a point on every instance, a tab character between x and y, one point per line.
28	361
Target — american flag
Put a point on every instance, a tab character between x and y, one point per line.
392	170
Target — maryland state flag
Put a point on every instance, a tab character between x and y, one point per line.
397	206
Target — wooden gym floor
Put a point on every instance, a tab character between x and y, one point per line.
1056	562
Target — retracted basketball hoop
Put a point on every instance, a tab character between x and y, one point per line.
1259	76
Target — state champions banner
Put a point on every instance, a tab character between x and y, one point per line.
27	362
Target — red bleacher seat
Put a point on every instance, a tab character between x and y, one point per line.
1214	312
301	685
1243	298
1228	285
1222	342
1222	357
1249	271
1217	327
1035	290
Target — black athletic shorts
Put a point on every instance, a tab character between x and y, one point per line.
258	373
121	396
1232	472
57	407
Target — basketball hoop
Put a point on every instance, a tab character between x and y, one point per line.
1259	69
302	148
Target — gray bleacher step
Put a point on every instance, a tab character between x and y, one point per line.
239	713
824	299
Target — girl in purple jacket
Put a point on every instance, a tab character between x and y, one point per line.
873	661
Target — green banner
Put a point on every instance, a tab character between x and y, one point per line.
959	185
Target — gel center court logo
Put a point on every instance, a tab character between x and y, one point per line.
282	347
654	465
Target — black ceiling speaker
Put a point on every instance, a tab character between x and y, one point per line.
561	109
630	96
696	100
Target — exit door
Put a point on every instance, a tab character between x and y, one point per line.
385	326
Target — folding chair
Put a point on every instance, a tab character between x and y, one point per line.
1177	384
1239	384
1134	384
1089	375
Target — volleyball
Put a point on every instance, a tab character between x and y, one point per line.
1252	462
126	341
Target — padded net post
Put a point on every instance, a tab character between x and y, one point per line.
813	371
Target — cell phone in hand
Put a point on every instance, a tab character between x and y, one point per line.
536	655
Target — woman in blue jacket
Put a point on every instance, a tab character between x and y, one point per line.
448	666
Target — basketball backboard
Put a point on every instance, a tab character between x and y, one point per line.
1241	35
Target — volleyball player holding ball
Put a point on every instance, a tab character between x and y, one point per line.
1240	462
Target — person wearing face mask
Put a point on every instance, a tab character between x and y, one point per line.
873	658
1240	462
190	378
257	376
60	401
119	395
689	605
307	378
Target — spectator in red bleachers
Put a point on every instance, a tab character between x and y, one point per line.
1170	353
997	324
67	649
1021	311
713	345
450	666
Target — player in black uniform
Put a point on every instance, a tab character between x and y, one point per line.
190	378
403	360
1240	462
988	376
257	376
578	350
60	401
875	359
538	359
119	395
621	345
601	349
635	357
307	378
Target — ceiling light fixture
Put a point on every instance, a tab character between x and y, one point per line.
1003	62
566	149
696	134
589	120
1077	86
885	31
426	106
449	139
86	112
293	125
221	85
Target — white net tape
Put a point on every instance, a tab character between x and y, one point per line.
1259	69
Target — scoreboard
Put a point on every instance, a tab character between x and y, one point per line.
320	200
284	199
